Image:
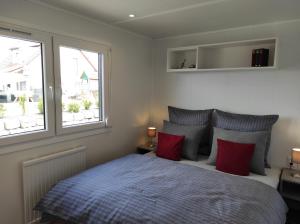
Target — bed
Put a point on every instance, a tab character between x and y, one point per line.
148	189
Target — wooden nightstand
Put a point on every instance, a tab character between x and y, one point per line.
290	190
143	149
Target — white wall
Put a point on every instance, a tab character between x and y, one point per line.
131	73
252	92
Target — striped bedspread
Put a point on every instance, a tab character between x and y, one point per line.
143	189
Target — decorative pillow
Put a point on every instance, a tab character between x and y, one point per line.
234	158
194	136
194	117
245	122
169	146
257	138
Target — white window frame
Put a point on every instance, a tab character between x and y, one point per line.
49	115
64	41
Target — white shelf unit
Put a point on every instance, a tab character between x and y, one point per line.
221	56
176	56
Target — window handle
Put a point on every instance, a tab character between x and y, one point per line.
51	92
107	122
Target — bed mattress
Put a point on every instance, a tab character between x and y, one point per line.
271	178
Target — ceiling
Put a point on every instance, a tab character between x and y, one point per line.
163	18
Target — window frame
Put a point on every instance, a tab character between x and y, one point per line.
59	40
13	31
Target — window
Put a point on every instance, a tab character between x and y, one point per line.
80	80
28	109
81	70
23	87
21	108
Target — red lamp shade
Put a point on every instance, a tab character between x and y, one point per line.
151	132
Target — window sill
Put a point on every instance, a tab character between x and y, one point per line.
53	140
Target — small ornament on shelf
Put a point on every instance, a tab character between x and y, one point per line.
183	64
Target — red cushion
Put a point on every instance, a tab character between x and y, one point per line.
234	158
169	146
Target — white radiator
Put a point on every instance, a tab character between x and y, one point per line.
40	174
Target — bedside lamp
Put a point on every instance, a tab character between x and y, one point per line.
296	159
151	133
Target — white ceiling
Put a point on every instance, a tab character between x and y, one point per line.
163	18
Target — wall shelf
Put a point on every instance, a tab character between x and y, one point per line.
226	56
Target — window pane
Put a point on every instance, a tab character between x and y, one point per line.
80	80
21	87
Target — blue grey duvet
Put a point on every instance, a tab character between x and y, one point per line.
143	189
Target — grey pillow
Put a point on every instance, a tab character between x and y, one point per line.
194	117
245	122
258	138
193	137
190	117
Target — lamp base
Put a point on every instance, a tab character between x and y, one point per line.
151	145
296	175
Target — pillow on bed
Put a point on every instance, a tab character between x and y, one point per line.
189	117
234	158
169	146
258	138
194	136
194	117
245	122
